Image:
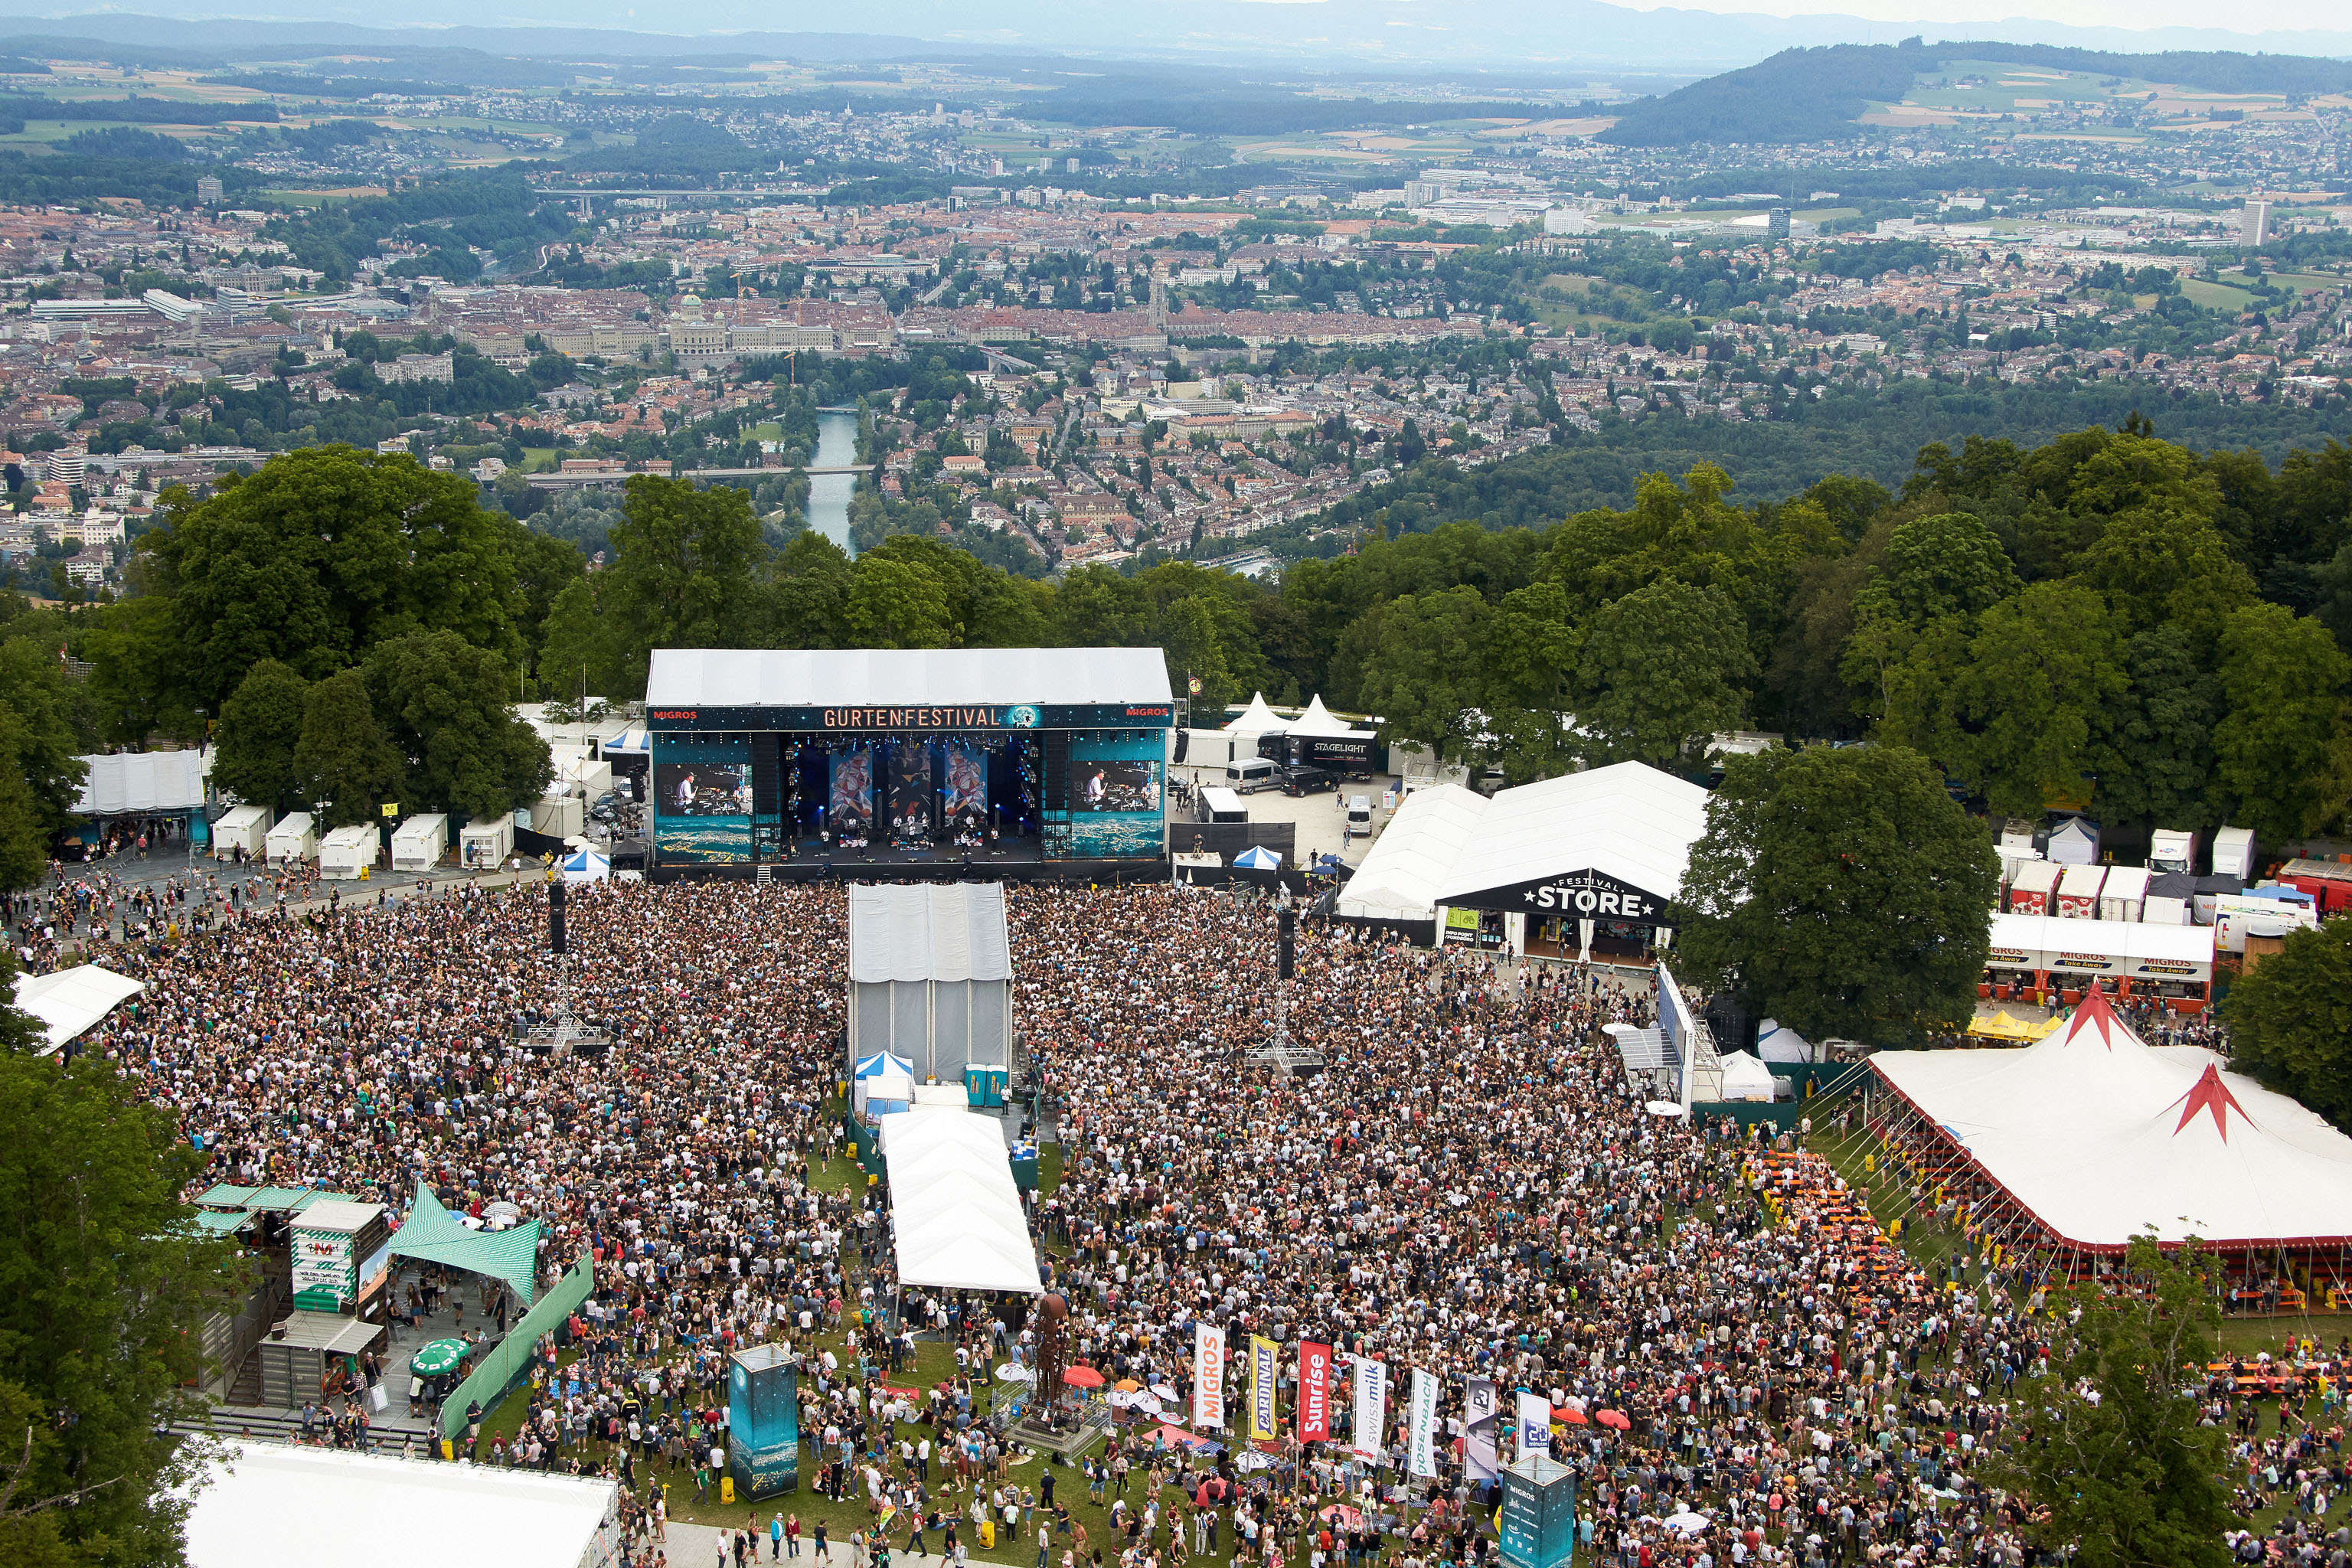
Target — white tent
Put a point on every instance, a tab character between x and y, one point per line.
68	1000
1319	721
1258	719
882	1094
254	1498
131	781
586	866
1782	1044
1401	873
956	1216
931	973
1258	857
882	1062
1628	822
2102	1137
1746	1078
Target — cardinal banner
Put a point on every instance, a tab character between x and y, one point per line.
1265	1370
1478	1430
1421	1447
1208	1376
1535	1423
1372	1406
1314	1392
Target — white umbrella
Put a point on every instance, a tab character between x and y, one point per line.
1251	1459
1664	1108
1014	1372
1686	1522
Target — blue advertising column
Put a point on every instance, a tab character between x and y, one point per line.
763	1423
1538	1512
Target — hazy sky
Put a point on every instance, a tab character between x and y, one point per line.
2240	16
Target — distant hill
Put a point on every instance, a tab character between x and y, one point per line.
1816	95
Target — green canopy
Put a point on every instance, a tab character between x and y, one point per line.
438	1356
433	1234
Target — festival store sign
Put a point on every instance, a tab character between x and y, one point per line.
1587	895
326	1276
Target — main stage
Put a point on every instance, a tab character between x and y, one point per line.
999	763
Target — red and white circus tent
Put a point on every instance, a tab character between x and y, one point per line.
2091	1136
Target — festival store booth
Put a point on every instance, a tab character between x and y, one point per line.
1580	866
2050	959
1049	760
2069	1148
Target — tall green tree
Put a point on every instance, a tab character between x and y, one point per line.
104	1285
1660	671
2281	752
897	603
345	765
1843	891
2111	1446
318	556
2024	706
1420	660
681	574
2153	754
261	725
449	710
39	757
2290	1019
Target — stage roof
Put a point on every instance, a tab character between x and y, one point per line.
2102	1137
861	678
938	931
1628	821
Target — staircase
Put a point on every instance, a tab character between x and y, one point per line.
759	875
1707	1064
245	1387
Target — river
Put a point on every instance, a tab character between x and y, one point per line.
828	502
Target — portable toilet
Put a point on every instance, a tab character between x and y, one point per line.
418	844
983	1085
487	843
295	838
243	828
347	853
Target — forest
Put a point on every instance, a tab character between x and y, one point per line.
2107	619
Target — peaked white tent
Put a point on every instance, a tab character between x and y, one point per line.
1258	719
68	1002
956	1216
586	866
1400	874
1258	857
1782	1044
2098	1137
1746	1078
1319	721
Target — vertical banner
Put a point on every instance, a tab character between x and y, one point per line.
1371	1405
1265	1370
1314	1392
849	798
1478	1433
967	793
1421	1447
1535	1423
1208	1376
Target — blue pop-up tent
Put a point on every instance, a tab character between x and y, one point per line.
1258	857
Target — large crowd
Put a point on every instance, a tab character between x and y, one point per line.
1469	1187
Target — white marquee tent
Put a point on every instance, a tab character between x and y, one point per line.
1403	871
256	1498
128	783
1627	821
1258	718
1319	721
70	1001
956	1216
1746	1078
1779	1043
930	972
2102	1137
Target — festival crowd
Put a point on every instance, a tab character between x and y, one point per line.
1470	1186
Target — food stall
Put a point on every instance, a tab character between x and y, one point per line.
2078	892
2048	962
2034	888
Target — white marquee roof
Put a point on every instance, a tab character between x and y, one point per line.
1402	872
2104	1137
259	1497
1319	721
130	782
938	931
858	678
1258	718
956	1216
1628	821
68	1000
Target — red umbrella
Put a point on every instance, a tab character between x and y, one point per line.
1081	1377
1572	1416
1616	1418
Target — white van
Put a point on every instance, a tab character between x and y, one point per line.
1360	815
1251	774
